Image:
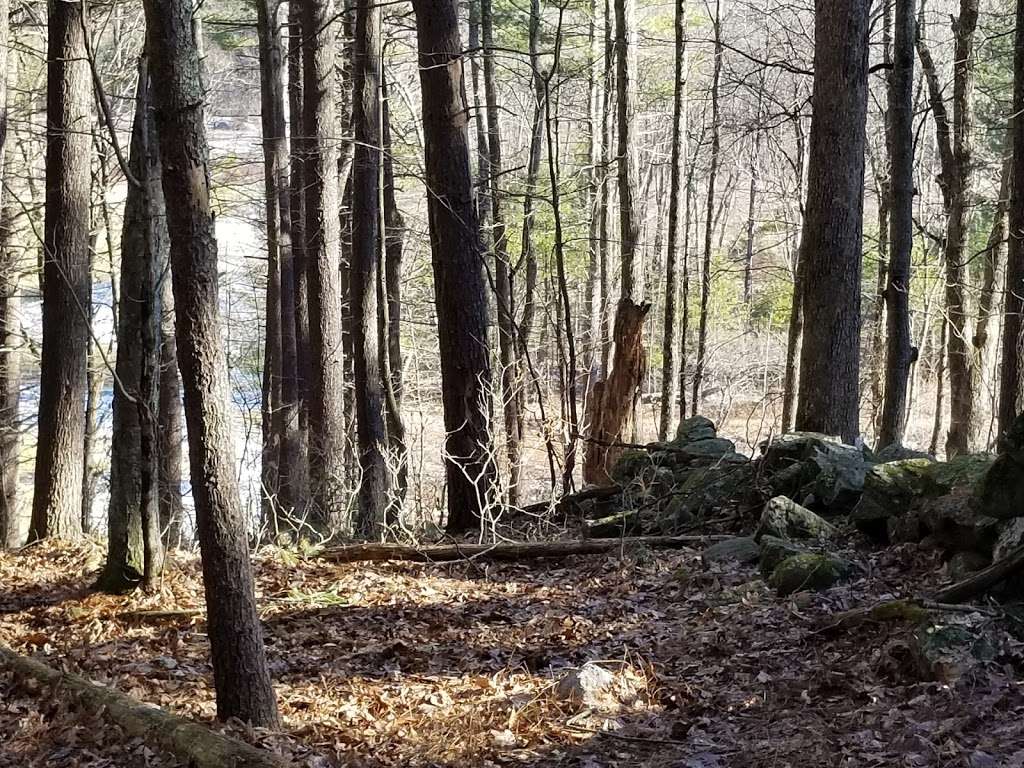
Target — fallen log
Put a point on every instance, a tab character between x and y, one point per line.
983	580
194	744
446	553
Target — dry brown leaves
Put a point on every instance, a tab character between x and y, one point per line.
414	665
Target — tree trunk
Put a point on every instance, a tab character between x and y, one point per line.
169	421
956	144
10	356
670	366
297	214
327	434
511	369
133	458
283	362
1011	373
391	304
365	272
56	504
631	260
899	350
705	278
828	399
614	399
796	316
457	257
240	673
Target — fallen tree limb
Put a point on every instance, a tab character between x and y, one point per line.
983	580
194	744
446	553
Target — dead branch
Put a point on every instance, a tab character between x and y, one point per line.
446	553
983	580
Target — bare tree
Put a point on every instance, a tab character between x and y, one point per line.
56	504
899	351
457	255
240	672
828	398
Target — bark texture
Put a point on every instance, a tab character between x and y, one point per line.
899	349
133	459
240	673
57	499
365	272
833	221
460	292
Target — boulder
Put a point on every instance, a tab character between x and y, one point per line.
955	523
693	429
830	475
711	449
963	564
773	551
632	463
784	518
1002	489
966	472
741	549
704	490
810	570
889	491
893	453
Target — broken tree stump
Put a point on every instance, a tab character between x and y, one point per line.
614	400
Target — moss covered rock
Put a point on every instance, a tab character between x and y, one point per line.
784	518
889	492
774	551
810	570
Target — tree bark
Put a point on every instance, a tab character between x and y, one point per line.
631	260
240	673
705	279
511	368
282	455
956	146
327	434
169	420
56	503
10	356
365	272
670	366
460	293
557	550
828	399
614	399
899	350
1013	312
133	458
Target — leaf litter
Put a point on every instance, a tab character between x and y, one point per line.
467	664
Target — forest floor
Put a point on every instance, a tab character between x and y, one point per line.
401	664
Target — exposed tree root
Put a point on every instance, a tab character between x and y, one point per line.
196	745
